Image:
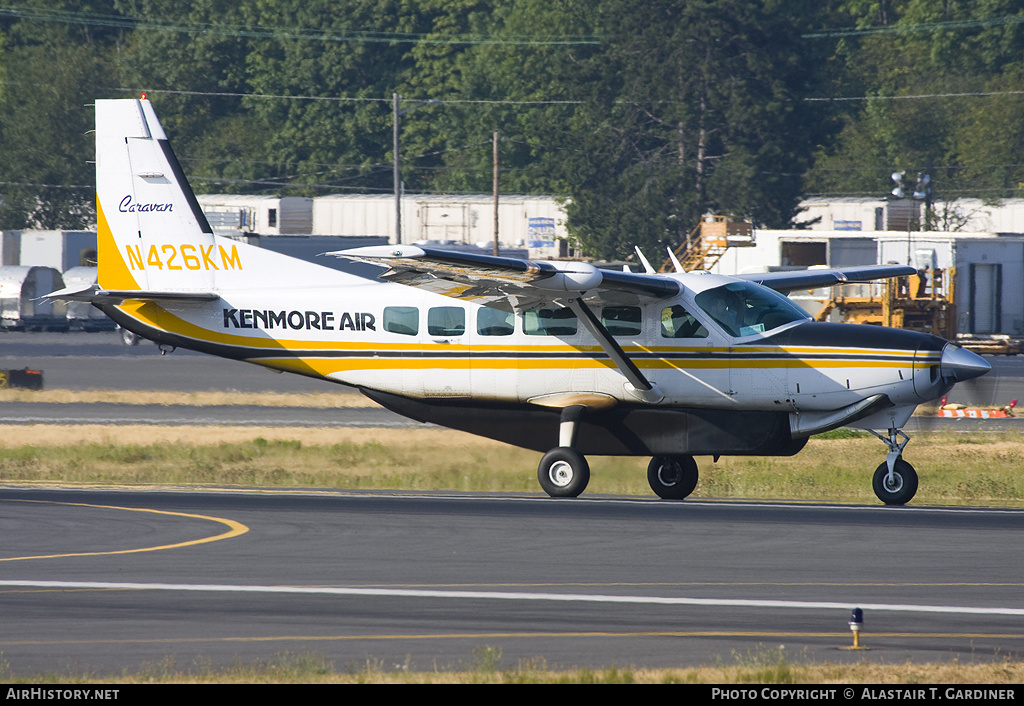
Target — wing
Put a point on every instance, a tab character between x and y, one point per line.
508	283
811	279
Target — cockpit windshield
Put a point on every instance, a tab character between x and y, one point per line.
744	308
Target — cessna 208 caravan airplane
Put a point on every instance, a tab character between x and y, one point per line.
560	357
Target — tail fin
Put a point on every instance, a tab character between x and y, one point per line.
151	233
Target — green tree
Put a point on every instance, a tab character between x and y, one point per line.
684	107
940	79
54	71
352	58
191	61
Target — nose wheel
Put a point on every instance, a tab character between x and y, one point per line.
898	487
895	481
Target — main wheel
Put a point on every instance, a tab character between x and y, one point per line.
903	486
563	472
672	477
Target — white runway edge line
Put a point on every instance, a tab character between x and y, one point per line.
512	596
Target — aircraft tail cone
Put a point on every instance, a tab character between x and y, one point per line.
959	364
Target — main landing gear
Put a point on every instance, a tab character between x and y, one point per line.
564	471
672	477
895	481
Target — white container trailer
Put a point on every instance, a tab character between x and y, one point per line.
59	249
357	215
23	302
465	220
236	214
10	247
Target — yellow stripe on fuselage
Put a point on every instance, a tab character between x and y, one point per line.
540	356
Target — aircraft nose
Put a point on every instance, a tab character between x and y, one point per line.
960	364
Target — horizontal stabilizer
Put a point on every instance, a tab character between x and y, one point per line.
95	295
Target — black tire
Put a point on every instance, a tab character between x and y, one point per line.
563	472
905	486
672	477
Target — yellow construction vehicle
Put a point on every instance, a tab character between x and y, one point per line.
923	302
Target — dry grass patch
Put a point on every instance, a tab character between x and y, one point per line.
767	667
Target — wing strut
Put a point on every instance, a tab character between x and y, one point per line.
641	385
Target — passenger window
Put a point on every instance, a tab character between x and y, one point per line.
677	322
549	322
446	321
494	322
402	319
622	320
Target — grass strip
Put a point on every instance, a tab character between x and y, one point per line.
955	469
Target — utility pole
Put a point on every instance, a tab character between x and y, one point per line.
396	116
397	173
495	188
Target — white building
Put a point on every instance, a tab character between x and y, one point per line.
870	215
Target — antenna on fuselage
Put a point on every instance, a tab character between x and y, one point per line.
675	260
647	266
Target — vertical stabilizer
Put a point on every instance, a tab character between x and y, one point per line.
152	234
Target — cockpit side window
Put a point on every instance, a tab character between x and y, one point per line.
745	309
677	322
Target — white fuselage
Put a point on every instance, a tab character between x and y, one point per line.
415	343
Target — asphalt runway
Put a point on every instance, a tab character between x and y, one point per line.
100	582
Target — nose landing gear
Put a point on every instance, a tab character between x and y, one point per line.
895	481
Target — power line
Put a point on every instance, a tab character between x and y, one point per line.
342	99
240	31
909	28
976	94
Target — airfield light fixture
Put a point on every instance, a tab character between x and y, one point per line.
856	623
